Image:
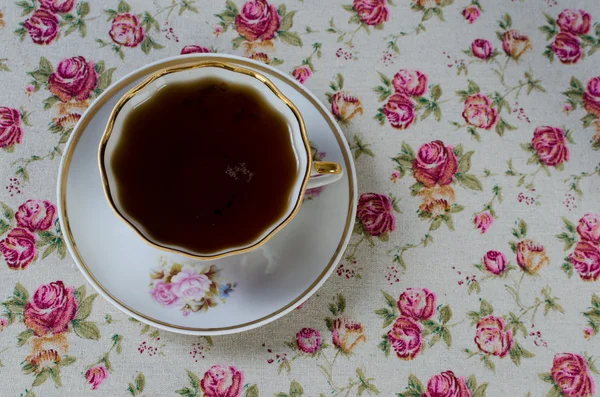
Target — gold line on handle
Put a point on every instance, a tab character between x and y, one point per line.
326	167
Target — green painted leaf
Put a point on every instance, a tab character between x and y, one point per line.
445	314
464	164
123	7
24	336
86	329
67	360
20	294
235	43
485	309
41	377
252	391
291	38
296	389
85	307
287	21
469	181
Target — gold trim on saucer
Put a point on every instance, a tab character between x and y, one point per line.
107	95
203	64
327	167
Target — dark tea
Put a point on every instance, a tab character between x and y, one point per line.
205	166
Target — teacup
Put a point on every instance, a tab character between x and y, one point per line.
310	174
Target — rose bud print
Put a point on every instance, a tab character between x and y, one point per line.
515	44
471	13
308	340
74	79
591	97
11	131
376	214
126	30
410	82
483	221
571	374
550	145
372	12
257	20
400	111
589	228
482	49
36	215
586	261
492	336
96	375
576	22
51	309
42	27
567	48
18	248
222	381
495	262
302	73
405	338
418	303
434	164
447	384
531	257
479	112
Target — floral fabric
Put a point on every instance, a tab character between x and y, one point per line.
474	266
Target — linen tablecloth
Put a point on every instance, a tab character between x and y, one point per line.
474	267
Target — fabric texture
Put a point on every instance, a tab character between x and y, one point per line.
474	267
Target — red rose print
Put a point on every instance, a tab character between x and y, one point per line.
591	97
308	340
42	27
571	374
471	13
51	309
96	375
483	221
435	164
589	228
18	248
258	20
36	215
302	73
515	44
492	336
58	6
375	212
410	82
447	384
495	262
482	49
567	48
222	381
586	261
126	30
372	12
479	112
400	111
551	145
11	131
405	338
74	78
195	49
418	303
576	22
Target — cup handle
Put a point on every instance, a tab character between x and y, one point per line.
323	173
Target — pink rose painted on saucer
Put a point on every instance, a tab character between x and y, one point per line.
191	288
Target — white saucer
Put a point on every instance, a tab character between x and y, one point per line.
251	289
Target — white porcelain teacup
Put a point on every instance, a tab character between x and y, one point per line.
309	174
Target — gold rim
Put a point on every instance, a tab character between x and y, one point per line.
203	64
68	155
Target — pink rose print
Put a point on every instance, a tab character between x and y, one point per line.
400	111
258	20
126	30
42	27
58	6
471	13
483	221
308	340
492	336
302	73
410	82
589	228
51	309
74	79
576	22
551	145
591	97
531	257
18	248
479	112
163	294
571	374
482	49
96	375
405	338
372	12
515	44
447	384
435	164
375	212
11	131
495	262
189	285
36	215
586	261
418	303
222	381
567	48
195	49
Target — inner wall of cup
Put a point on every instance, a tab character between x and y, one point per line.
227	76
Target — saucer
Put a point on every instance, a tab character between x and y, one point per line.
179	294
